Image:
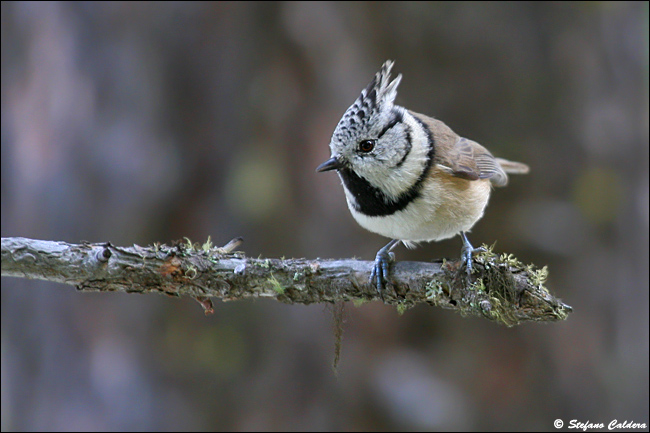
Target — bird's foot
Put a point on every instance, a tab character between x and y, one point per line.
381	268
467	253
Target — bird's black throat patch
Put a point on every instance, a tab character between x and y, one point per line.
372	201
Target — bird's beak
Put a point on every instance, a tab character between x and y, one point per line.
331	164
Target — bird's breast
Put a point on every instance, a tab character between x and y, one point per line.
445	206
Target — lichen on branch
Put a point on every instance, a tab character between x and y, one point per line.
501	288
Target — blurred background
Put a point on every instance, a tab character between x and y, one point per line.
139	123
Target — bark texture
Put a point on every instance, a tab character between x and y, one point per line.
501	288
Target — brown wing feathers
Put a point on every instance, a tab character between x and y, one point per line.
466	158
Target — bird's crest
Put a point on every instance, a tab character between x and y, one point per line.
375	101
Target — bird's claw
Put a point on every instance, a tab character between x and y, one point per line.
467	253
381	270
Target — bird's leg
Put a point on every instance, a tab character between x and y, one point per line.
467	251
381	268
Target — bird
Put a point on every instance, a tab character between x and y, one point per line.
408	176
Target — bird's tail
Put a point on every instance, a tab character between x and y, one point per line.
512	167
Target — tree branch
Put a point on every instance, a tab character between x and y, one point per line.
501	288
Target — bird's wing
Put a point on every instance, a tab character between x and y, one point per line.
469	160
465	158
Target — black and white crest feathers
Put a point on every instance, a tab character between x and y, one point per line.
376	101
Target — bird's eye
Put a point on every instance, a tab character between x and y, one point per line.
367	145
